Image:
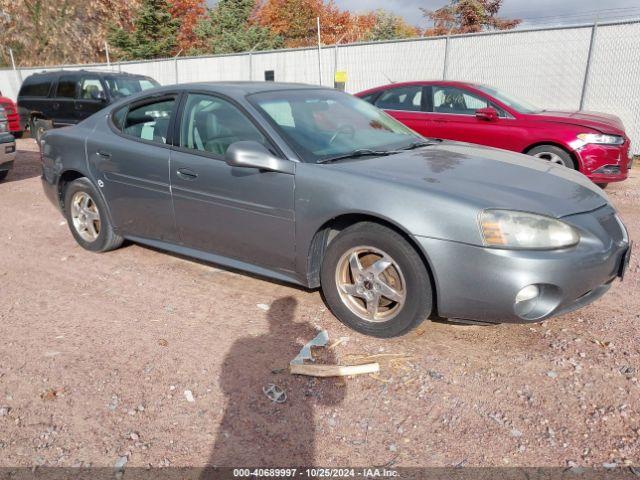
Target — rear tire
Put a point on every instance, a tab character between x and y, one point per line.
4	174
87	217
365	263
38	127
553	154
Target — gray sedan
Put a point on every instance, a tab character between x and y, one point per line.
316	187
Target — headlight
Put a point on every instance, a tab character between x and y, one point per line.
601	139
521	230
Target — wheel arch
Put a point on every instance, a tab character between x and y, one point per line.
71	174
572	153
332	227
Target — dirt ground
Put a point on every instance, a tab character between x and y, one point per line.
99	354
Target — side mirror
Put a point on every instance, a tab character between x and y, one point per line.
489	114
250	154
98	95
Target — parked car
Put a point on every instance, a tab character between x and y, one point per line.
7	146
12	116
61	98
319	188
593	143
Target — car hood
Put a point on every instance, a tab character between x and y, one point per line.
485	177
602	122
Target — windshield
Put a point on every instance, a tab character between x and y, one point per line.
121	87
322	124
518	105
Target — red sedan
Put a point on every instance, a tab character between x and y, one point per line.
12	116
593	143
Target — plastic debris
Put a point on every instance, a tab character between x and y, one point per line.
275	393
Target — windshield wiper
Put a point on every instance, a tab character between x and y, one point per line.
422	143
364	152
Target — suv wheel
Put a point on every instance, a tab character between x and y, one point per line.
553	154
375	282
87	217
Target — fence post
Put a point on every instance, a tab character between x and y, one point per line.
446	58
13	64
319	53
585	82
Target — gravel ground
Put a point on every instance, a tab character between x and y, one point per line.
162	360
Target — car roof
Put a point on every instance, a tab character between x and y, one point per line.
449	83
54	73
241	88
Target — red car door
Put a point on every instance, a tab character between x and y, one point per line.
407	105
462	115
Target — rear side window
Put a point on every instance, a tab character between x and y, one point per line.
149	122
401	98
36	87
67	86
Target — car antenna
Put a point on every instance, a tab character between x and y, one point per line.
387	77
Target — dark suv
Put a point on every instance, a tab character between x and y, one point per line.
57	99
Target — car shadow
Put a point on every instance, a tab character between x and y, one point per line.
255	430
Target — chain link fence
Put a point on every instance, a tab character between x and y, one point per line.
590	67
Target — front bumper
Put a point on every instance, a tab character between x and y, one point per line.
480	284
7	152
605	163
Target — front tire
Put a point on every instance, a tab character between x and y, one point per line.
87	217
553	154
375	282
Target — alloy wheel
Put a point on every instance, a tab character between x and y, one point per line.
551	157
85	216
370	284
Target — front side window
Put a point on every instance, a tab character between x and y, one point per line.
320	124
91	89
401	98
211	124
457	101
148	122
121	87
67	86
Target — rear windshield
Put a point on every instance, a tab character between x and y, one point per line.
121	87
35	87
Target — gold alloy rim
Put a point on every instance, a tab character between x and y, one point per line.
85	216
371	284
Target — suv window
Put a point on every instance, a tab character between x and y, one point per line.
149	121
36	87
121	87
211	124
401	98
67	86
91	89
460	102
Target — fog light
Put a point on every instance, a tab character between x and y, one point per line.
527	293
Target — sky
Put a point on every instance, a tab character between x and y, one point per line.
533	12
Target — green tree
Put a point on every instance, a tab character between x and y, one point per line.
154	33
229	28
388	26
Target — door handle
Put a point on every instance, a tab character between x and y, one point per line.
186	174
103	154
